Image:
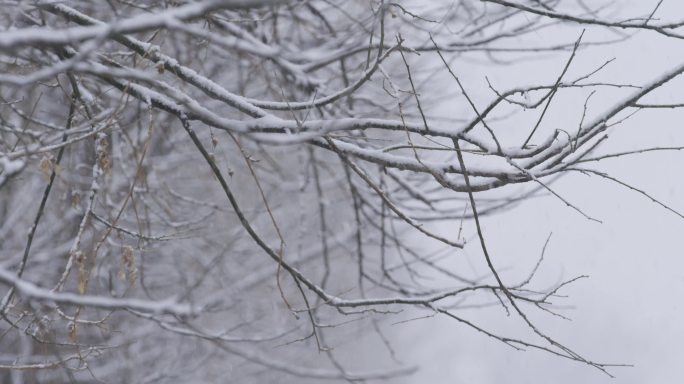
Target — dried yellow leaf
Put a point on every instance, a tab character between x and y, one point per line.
46	167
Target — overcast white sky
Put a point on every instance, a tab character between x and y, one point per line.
630	309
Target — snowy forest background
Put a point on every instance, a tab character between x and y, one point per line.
340	190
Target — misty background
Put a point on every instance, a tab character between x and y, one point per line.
630	309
